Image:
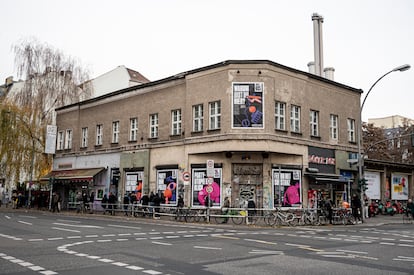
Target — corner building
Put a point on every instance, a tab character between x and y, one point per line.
243	129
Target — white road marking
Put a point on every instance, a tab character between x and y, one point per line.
77	225
123	226
28	223
64	229
207	247
351	251
161	243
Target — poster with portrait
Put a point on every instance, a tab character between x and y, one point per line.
247	107
287	184
201	196
399	187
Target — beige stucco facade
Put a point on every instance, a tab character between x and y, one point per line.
235	150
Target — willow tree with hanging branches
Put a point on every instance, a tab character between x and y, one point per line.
51	80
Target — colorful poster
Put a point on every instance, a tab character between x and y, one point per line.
287	186
205	192
399	187
248	105
373	181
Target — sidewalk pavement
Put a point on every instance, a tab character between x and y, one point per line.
372	222
383	219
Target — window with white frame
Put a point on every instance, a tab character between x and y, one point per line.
351	130
215	115
115	132
314	123
280	115
84	140
60	140
295	119
99	134
133	129
198	118
176	122
153	125
68	139
333	127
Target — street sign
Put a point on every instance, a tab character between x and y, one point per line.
186	176
209	189
210	168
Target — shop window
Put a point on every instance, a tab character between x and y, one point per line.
287	185
167	186
200	187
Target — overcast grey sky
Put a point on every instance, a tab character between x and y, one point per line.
159	38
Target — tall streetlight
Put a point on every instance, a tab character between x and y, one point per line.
401	68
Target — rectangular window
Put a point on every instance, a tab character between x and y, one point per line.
198	118
314	123
333	127
84	141
154	126
295	119
99	134
115	132
133	129
280	115
60	140
215	115
176	122
351	130
68	139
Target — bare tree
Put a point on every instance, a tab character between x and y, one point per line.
395	144
52	80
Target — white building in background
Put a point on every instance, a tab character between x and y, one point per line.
390	122
114	80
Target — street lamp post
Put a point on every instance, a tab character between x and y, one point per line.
360	158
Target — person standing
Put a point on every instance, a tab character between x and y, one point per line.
111	203
91	201
356	207
104	203
410	208
225	209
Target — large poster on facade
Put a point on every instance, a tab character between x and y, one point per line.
399	187
373	181
247	105
167	186
201	196
287	186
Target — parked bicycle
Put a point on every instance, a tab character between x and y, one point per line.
279	218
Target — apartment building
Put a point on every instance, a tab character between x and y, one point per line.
243	129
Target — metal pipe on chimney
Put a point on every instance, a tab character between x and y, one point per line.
318	43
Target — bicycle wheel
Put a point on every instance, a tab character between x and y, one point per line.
290	219
237	220
351	219
270	219
189	216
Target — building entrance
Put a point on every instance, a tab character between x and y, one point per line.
247	183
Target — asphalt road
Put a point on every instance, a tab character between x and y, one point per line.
46	243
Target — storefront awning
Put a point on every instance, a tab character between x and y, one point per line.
327	178
73	174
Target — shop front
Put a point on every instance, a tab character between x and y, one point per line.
324	181
67	183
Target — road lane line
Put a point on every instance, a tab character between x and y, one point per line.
351	251
260	241
77	225
161	243
123	226
27	223
208	248
64	229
